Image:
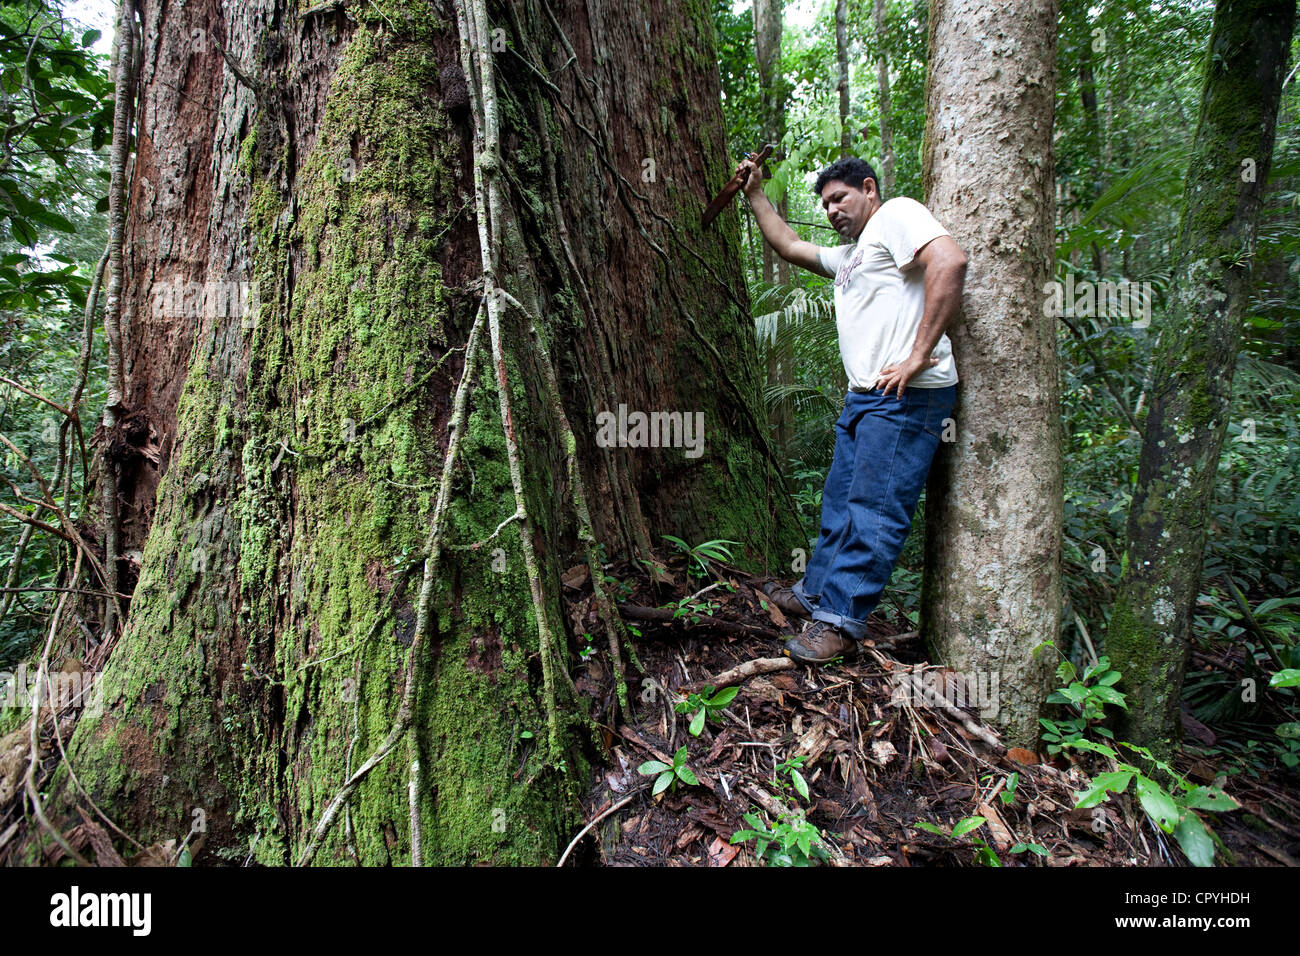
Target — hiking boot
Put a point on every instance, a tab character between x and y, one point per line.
820	643
784	599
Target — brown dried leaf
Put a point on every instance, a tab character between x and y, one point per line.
576	577
720	853
1022	756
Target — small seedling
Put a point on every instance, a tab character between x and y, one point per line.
983	853
791	767
669	774
691	609
1087	696
1037	848
704	707
792	842
698	557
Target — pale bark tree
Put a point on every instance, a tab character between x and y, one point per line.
992	588
354	491
842	63
887	159
767	50
1199	336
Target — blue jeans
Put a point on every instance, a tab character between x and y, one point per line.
883	450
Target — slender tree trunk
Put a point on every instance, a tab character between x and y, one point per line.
1199	336
842	60
767	49
992	587
1088	96
305	421
886	108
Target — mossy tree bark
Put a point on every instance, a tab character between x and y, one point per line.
321	160
992	587
1191	379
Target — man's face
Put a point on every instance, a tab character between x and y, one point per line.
848	208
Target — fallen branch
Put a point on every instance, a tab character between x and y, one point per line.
664	615
743	672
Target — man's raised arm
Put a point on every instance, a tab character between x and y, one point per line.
779	235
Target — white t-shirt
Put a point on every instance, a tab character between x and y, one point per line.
879	300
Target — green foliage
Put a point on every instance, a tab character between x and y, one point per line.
705	705
1172	811
700	556
669	774
792	841
1085	696
691	609
984	854
790	768
56	111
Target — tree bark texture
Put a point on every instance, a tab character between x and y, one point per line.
992	588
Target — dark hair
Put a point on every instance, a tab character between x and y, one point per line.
851	171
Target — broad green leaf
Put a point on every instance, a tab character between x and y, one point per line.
1285	678
725	696
687	775
661	784
651	766
929	828
1195	840
1157	803
697	722
1208	798
1116	781
800	785
1110	696
966	825
1091	746
987	857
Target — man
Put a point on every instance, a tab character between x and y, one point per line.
898	282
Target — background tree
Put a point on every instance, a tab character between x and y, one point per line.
1195	358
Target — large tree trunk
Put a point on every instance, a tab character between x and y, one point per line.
1150	627
325	165
992	587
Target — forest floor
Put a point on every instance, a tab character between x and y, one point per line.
888	756
885	752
